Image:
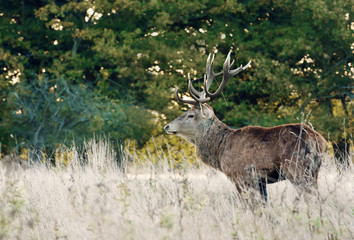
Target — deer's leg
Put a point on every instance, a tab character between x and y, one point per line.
240	186
302	173
262	186
253	187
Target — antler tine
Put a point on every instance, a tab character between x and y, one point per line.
232	63
227	74
191	88
210	75
201	95
225	78
205	96
184	100
192	92
247	65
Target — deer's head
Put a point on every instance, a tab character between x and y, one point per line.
196	119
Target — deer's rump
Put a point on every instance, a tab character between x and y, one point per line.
289	148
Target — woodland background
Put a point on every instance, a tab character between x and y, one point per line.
71	70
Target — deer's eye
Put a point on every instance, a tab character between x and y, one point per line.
190	116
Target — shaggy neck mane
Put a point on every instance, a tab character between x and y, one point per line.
209	142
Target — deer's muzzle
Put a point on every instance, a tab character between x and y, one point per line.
168	130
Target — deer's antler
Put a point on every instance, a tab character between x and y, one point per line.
205	96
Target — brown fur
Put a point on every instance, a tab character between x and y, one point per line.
253	154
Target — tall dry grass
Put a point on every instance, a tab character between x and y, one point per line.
159	201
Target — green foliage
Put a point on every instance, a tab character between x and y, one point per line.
47	113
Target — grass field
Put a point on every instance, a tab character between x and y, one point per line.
158	201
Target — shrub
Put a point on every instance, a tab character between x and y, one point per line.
47	113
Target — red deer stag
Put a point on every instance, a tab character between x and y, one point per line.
250	156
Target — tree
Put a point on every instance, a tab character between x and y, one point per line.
48	113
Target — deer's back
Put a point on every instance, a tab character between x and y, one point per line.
266	149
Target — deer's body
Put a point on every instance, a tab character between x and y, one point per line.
253	155
250	156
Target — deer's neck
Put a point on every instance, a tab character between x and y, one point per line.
210	141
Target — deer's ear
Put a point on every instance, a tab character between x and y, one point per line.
207	111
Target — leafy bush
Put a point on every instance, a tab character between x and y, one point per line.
47	113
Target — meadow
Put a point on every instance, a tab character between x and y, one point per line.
145	199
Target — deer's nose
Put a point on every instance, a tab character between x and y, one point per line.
166	127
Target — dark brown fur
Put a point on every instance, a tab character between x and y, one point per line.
292	151
254	156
